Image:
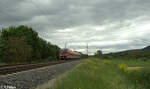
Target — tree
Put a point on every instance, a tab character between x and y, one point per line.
98	53
17	51
42	50
47	49
1	47
30	36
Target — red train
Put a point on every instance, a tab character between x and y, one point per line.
68	54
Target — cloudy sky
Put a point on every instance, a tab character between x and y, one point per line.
109	25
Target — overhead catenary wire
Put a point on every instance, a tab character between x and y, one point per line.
43	6
42	11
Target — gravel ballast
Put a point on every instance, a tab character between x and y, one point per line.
32	78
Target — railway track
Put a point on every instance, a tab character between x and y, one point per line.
9	69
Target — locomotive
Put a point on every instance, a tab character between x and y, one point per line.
69	54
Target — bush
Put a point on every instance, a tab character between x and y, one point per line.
17	51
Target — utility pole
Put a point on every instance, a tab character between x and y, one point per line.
65	45
87	49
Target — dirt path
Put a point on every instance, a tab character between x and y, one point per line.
136	68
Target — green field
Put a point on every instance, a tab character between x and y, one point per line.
132	63
104	74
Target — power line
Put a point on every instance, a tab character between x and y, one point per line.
44	8
40	9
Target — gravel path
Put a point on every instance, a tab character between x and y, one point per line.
33	78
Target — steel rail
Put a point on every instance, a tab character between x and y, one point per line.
18	68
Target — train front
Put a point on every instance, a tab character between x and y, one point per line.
63	54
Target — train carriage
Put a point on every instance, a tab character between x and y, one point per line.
69	54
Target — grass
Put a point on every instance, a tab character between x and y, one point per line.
140	79
104	74
132	63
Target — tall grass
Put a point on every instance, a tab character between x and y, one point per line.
132	63
95	74
140	79
104	74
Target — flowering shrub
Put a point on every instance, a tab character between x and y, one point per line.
123	67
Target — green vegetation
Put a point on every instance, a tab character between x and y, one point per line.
103	74
83	55
16	49
132	63
22	44
141	54
98	53
141	79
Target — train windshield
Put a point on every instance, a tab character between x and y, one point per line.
63	51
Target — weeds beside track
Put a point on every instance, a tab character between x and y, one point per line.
103	74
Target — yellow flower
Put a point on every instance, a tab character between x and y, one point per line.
123	67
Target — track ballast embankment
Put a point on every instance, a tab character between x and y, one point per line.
32	78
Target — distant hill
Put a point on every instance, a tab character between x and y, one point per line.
142	54
136	50
146	48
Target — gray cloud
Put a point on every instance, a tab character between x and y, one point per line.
110	25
